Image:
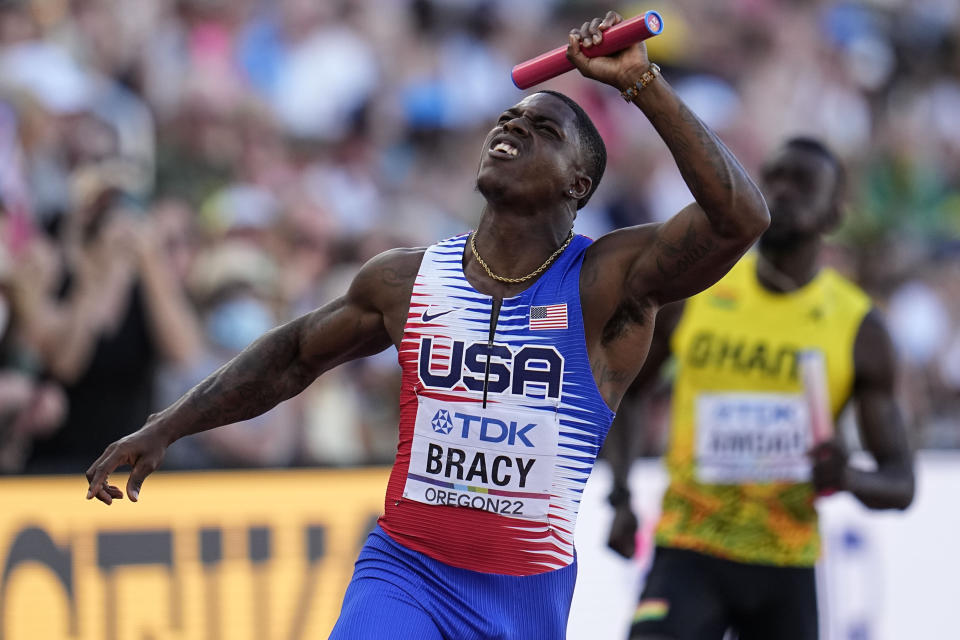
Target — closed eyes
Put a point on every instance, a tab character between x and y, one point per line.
549	130
540	123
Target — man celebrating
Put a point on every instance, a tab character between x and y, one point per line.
738	539
516	343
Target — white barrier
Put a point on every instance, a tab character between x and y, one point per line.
883	576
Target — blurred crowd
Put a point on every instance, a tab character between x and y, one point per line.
179	176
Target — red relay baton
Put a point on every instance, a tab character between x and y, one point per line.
618	37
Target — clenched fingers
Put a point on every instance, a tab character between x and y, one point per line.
141	470
591	33
100	470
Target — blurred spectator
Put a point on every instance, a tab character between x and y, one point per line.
111	315
349	414
235	285
248	156
294	51
31	406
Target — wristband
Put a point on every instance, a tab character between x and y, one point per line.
646	78
619	496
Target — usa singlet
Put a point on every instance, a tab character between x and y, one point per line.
500	423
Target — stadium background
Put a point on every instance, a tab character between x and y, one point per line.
255	153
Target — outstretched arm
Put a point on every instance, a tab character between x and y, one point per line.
891	485
698	245
278	366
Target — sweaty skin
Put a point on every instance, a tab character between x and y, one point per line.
531	201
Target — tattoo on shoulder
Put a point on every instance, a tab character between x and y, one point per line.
398	275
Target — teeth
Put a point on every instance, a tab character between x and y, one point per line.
506	147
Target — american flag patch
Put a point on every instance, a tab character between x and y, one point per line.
551	316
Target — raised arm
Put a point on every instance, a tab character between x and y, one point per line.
699	244
278	366
882	431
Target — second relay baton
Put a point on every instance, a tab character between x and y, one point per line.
618	37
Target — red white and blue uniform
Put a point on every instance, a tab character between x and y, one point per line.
499	430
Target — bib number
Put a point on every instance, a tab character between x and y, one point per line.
752	437
499	459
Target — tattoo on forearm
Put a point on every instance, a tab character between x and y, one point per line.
262	376
717	153
709	168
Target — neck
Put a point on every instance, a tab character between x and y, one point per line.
785	269
514	245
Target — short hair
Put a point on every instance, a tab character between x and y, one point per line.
592	148
805	143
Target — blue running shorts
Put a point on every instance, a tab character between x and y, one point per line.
401	594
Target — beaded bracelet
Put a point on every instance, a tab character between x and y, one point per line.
648	76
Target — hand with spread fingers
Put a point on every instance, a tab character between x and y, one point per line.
618	70
142	450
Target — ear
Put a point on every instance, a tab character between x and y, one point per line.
837	208
834	214
834	217
580	186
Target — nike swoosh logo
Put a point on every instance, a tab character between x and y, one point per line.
426	317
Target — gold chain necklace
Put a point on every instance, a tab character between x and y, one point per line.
539	270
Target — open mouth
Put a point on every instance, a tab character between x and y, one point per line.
504	149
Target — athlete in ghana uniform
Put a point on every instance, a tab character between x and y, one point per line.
516	343
738	539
